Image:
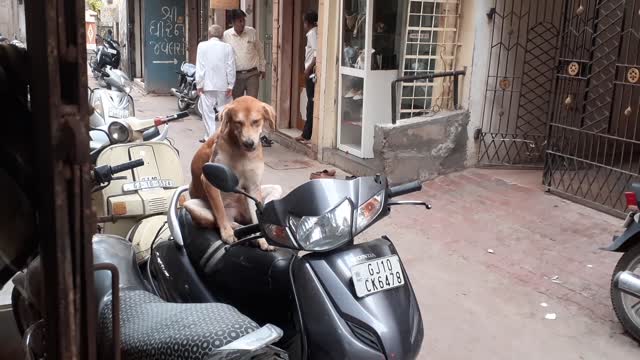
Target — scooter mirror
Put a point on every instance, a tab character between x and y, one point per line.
221	177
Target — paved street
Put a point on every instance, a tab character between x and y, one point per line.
477	304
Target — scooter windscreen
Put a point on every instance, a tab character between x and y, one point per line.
322	215
118	79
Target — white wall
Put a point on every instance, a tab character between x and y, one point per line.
477	39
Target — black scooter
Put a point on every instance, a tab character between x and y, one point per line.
333	298
132	322
625	282
108	54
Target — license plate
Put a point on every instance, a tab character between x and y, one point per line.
148	184
377	275
111	51
119	113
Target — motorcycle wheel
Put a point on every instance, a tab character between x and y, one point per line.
195	107
183	105
627	307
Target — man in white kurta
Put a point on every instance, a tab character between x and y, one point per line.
215	77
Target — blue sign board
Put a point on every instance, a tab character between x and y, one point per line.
164	43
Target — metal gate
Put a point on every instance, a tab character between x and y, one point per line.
524	45
593	149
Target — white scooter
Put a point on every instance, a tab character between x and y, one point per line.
112	101
134	205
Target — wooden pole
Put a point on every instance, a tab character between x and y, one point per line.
57	50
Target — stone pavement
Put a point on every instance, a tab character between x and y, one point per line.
486	305
476	304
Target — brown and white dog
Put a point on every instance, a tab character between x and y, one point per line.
236	145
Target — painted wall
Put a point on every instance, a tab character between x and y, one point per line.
476	42
326	109
164	43
123	34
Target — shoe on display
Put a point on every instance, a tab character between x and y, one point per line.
351	93
357	95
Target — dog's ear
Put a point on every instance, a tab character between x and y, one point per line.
224	117
269	115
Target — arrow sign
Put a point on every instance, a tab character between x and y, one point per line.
174	61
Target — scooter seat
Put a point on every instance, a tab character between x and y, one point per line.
151	328
188	69
240	274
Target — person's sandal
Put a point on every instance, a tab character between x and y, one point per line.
265	141
324	174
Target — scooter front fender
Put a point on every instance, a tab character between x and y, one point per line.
340	325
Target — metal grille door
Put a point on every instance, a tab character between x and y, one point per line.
524	45
594	141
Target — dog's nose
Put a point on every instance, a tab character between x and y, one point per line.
249	144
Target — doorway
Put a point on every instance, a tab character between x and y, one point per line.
292	97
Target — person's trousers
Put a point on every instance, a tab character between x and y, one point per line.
248	83
308	125
211	102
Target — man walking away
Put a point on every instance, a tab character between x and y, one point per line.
311	28
215	77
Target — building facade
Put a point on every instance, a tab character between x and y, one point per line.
549	85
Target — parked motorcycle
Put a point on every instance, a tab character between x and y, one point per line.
113	100
186	92
334	299
625	282
132	322
106	55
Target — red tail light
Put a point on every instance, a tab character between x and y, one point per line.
632	200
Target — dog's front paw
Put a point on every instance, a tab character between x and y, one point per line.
228	236
264	246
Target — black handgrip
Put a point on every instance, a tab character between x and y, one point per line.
403	189
127	166
180	115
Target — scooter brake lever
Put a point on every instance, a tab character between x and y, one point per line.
409	202
119	178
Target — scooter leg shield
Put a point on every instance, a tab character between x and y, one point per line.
339	324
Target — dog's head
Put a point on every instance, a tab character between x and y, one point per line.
243	119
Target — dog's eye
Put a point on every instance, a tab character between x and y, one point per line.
255	122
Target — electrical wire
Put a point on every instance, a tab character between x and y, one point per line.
150	278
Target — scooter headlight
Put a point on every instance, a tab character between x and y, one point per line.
325	232
119	131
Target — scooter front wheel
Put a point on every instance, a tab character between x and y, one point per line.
627	307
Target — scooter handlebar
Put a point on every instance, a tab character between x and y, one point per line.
126	166
165	119
404	189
